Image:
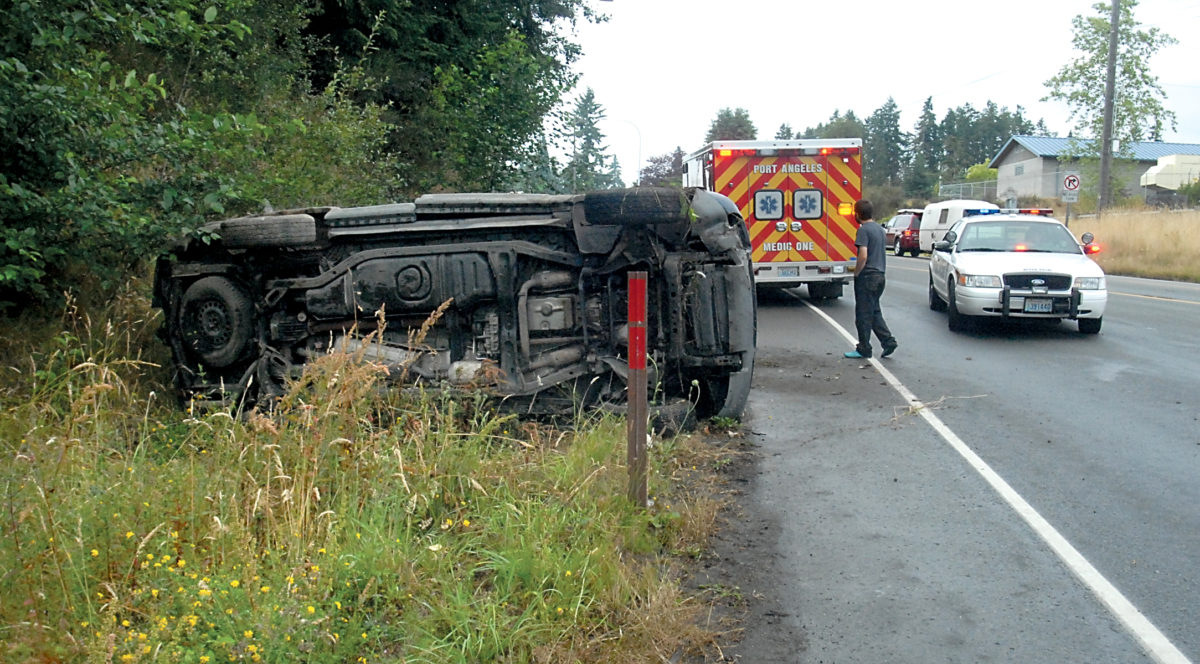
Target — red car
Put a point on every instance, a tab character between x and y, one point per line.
902	232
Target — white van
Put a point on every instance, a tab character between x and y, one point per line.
939	217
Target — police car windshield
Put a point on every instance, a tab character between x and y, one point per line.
1020	236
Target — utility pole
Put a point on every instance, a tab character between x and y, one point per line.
1110	86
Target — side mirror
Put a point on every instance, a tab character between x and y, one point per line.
950	237
1087	238
941	246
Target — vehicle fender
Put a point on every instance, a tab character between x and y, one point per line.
716	220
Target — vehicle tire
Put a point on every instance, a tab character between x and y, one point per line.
914	253
956	321
727	396
936	303
896	248
824	291
1090	325
645	205
284	230
216	321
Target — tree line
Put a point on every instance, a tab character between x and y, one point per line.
122	124
899	168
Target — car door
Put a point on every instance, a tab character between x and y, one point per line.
890	229
940	264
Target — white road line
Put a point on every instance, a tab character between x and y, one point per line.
1155	642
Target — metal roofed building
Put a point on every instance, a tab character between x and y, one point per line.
1033	165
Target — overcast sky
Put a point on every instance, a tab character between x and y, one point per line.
662	69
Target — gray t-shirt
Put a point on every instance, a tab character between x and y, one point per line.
870	235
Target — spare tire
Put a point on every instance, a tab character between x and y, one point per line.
282	230
216	321
644	205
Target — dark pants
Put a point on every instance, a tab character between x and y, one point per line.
868	286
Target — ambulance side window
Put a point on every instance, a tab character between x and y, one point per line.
768	204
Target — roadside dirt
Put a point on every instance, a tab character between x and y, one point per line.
735	572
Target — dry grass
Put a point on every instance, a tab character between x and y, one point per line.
1146	243
347	524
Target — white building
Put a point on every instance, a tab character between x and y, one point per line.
1033	165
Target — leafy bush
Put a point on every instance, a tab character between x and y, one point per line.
1191	192
101	160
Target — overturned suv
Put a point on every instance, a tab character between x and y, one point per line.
525	295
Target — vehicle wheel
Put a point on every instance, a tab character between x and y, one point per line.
957	322
646	205
896	248
1090	325
824	291
216	321
914	253
727	396
936	302
284	230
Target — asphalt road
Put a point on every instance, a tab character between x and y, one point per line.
882	542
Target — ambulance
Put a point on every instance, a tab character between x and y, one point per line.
797	198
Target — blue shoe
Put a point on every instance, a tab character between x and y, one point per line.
888	350
855	355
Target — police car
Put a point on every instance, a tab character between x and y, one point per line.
1016	264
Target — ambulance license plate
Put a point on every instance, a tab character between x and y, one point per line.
786	272
1038	306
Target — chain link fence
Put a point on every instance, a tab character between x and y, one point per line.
978	191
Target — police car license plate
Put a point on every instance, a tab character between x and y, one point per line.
1038	306
789	272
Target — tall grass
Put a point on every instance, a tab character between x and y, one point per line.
350	524
1155	244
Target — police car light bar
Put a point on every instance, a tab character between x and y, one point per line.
973	212
1041	212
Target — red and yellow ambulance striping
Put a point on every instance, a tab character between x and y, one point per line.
797	198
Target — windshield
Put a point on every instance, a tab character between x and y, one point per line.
1043	236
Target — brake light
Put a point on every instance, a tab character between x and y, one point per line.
908	233
1092	249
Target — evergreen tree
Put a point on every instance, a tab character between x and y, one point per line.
839	126
784	133
970	136
589	167
731	125
885	147
921	177
958	127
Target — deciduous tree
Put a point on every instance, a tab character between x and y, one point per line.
665	170
1139	110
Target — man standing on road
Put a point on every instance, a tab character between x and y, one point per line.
868	284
